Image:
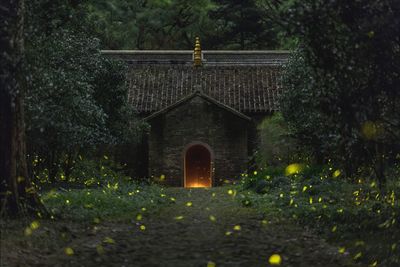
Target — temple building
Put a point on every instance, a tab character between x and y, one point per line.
203	108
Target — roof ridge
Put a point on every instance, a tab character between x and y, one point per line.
122	51
208	57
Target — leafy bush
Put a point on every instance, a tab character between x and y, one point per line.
341	97
86	173
349	214
112	201
76	102
276	145
263	174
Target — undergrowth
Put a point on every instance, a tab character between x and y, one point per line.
113	201
354	216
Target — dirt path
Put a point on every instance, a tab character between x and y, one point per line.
199	228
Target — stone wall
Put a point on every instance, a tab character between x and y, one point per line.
198	120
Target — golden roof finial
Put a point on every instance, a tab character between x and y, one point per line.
197	53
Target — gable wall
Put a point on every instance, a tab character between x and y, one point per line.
201	121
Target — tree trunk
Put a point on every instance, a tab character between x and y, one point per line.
379	167
17	194
52	165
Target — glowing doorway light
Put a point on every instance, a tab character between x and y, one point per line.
198	167
196	184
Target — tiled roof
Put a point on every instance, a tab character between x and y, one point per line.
247	81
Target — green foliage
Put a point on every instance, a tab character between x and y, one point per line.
154	24
114	201
276	145
174	24
354	216
63	111
88	172
342	97
111	94
241	25
77	99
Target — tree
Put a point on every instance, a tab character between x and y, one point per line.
241	24
174	24
77	99
150	24
276	144
63	114
17	194
342	96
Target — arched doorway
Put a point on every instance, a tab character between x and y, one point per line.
197	161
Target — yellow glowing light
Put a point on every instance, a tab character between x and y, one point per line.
100	249
360	243
109	240
311	200
139	217
336	173
334	228
28	231
211	264
69	251
179	218
227	233
35	225
371	34
294	168
357	256
230	192
212	218
88	206
304	188
162	177
142	227
275	259
375	263
370	130
189	204
342	250
197	185
237	228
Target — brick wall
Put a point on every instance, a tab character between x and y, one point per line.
197	120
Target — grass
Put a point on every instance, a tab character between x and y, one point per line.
203	227
113	201
354	216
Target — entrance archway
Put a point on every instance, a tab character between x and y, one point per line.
197	161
